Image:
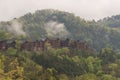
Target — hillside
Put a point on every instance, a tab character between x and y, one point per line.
59	24
112	22
51	58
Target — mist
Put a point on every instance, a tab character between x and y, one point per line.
56	29
16	28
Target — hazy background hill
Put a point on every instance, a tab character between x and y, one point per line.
60	24
112	22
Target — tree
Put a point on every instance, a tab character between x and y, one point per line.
93	64
107	55
15	71
88	76
62	77
108	77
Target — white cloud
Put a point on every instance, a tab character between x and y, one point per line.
56	29
88	9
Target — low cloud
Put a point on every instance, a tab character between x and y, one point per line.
56	29
16	28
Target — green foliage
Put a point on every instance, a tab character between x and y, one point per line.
63	77
93	64
107	55
108	77
62	63
12	51
4	35
32	70
96	34
87	77
59	64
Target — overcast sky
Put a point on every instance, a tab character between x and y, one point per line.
88	9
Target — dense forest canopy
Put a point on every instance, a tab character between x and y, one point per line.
64	63
112	22
59	24
59	64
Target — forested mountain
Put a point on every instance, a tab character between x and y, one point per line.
112	22
58	63
59	24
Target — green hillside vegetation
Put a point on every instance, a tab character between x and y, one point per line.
96	35
62	63
58	64
112	22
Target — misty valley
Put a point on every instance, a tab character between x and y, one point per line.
56	45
